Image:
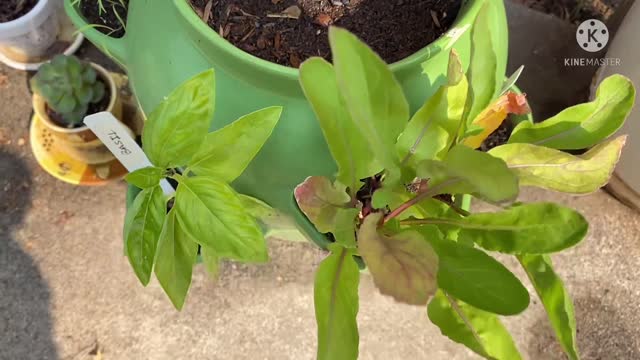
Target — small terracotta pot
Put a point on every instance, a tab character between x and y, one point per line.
81	143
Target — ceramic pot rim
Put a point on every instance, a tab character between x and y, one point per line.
21	25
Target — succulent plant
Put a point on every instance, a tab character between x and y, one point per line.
69	86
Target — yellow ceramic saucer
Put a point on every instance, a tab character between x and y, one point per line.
65	168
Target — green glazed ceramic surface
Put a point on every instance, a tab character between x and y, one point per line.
167	43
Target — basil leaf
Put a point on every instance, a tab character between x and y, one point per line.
584	125
535	228
467	171
145	178
480	331
371	93
212	214
348	146
403	265
555	298
175	257
556	170
142	227
275	224
210	260
475	277
226	153
336	305
176	128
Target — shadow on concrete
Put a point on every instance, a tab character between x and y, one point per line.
25	323
601	334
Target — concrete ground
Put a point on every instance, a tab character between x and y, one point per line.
67	292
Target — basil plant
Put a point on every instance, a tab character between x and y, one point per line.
163	233
399	201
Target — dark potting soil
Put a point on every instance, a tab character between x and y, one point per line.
289	31
101	105
13	9
575	11
500	136
111	16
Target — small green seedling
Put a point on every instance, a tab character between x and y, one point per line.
68	86
116	7
398	200
205	214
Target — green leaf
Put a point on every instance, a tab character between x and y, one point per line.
371	93
482	66
348	146
403	265
226	153
213	215
175	129
142	228
435	126
467	171
345	227
475	277
478	330
274	223
423	138
210	260
175	257
512	80
452	110
98	92
536	228
555	298
472	130
145	178
584	125
556	170
66	104
320	201
336	304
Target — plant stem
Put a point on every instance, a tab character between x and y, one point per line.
425	195
429	221
455	207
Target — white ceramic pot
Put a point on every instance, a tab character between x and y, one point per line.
626	47
30	36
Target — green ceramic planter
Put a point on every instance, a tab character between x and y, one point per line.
167	43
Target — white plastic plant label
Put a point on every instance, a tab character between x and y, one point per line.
117	138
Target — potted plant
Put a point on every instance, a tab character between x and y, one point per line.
400	197
27	28
65	90
399	204
246	83
164	234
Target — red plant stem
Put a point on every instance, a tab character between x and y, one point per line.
427	194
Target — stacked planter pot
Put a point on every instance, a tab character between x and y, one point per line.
167	43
